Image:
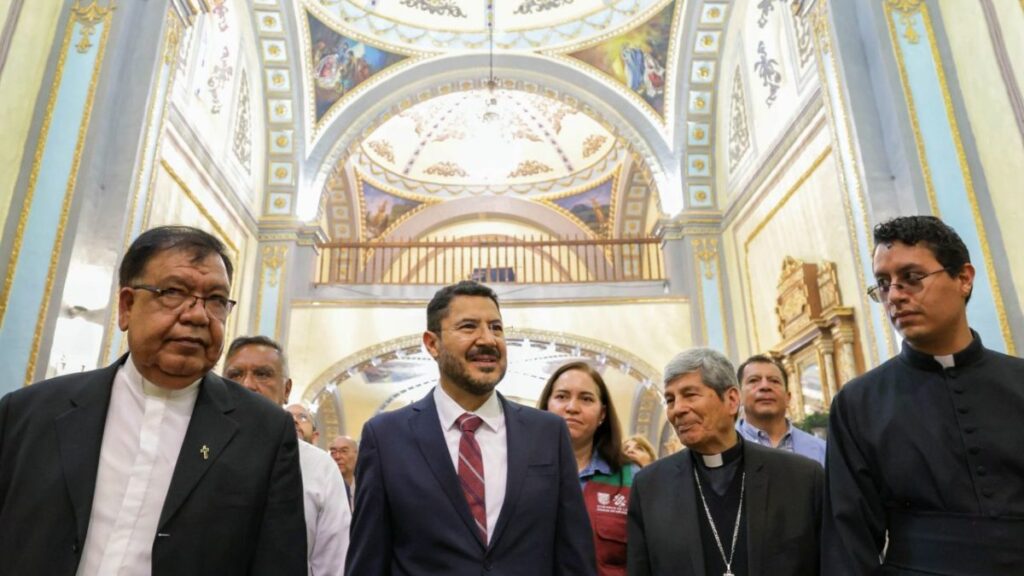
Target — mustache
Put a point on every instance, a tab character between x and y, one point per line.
484	351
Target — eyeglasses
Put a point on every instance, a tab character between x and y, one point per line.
910	283
172	298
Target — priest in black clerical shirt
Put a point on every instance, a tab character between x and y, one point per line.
722	506
926	452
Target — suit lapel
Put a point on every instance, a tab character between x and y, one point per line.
209	431
79	438
687	510
426	429
756	503
515	429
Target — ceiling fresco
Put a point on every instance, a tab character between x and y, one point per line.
637	59
593	209
442	26
483	137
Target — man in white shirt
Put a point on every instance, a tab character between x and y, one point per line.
153	465
464	481
259	364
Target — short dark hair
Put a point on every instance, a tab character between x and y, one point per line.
947	246
608	436
437	310
258	340
762	359
936	235
198	243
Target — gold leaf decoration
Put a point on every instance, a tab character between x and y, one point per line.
383	149
592	144
446	169
529	168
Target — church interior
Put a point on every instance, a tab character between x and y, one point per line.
633	178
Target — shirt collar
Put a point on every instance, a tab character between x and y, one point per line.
751	430
448	410
596	465
970	354
146	388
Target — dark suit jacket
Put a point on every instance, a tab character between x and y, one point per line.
782	503
238	512
411	516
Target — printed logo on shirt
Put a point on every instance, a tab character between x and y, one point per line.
610	504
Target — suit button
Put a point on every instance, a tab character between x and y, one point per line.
981	470
963	410
958	390
987	492
74	548
973	450
970	429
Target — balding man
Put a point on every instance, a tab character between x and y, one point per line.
259	364
345	452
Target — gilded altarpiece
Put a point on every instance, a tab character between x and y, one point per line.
819	346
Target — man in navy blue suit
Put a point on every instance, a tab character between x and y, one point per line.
464	481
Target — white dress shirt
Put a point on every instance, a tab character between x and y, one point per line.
327	512
144	430
491	437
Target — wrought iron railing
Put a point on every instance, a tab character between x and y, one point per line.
492	260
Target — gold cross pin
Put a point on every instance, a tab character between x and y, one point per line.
206	451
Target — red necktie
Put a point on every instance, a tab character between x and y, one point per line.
471	471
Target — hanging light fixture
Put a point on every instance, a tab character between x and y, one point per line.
491	111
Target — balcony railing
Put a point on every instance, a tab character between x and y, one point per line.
491	260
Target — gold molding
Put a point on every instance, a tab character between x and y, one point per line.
764	222
997	295
926	172
199	206
172	37
273	262
88	17
968	181
91	15
706	251
272	265
907	10
823	36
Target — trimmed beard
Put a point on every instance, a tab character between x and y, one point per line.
456	372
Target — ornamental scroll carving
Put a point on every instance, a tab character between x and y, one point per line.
819	345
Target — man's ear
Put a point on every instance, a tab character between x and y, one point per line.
732	400
431	341
287	390
966	277
125	299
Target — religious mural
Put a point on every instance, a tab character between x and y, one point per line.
382	210
593	207
340	63
637	58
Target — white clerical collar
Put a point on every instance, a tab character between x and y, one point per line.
712	460
947	360
139	382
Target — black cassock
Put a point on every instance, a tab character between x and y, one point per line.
933	458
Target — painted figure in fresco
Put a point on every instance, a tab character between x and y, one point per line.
654	75
633	62
377	222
